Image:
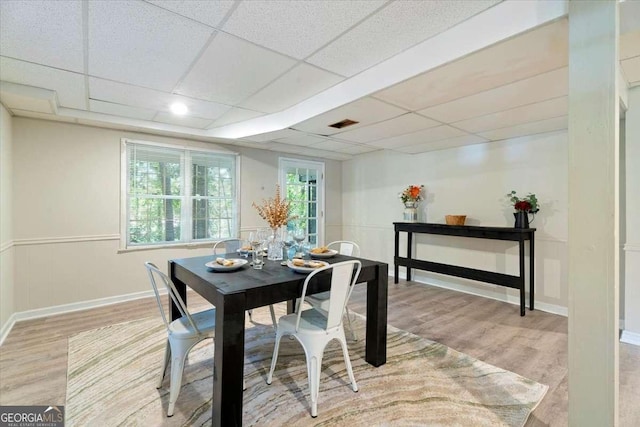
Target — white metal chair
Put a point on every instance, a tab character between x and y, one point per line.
314	329
182	333
226	246
320	301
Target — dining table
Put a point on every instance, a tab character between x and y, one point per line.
236	291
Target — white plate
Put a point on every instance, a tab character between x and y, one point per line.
249	251
330	253
237	263
306	269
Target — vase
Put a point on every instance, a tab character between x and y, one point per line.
275	246
522	219
410	212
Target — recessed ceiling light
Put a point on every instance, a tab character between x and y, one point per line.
179	108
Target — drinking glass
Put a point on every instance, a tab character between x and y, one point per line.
287	239
299	234
256	248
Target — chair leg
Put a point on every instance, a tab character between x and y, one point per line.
347	362
177	366
353	331
274	359
273	317
314	365
165	363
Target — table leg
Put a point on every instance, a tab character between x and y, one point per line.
174	312
228	367
532	282
376	345
396	267
409	244
522	299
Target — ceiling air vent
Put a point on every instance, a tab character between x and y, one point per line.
343	124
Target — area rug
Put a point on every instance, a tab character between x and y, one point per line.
113	371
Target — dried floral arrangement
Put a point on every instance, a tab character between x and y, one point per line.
274	210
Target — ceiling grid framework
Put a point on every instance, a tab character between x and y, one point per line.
121	64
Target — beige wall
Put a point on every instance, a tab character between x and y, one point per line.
631	247
67	212
6	221
470	180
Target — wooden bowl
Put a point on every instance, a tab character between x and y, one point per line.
455	219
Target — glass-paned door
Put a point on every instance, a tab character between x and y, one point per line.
302	182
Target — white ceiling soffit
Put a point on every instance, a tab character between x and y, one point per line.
500	22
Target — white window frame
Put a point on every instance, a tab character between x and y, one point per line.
186	197
284	162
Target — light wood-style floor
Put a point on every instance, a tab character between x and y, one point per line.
33	358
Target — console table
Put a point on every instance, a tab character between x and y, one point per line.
519	235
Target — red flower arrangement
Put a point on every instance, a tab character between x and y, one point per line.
412	193
528	204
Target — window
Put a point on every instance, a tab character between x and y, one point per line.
177	195
303	185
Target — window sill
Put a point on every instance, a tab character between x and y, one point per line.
198	245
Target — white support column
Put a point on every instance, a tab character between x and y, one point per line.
593	213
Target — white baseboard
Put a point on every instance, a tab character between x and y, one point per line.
511	299
630	337
6	328
68	308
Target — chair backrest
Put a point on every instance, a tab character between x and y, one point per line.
345	247
226	246
344	276
154	273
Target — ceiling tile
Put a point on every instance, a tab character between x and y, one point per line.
631	69
420	137
629	16
235	115
231	69
395	28
28	98
525	56
301	140
549	125
630	45
296	85
272	136
442	144
296	28
331	145
69	87
528	113
120	93
43	32
364	111
205	11
190	122
545	86
121	110
359	149
406	123
138	43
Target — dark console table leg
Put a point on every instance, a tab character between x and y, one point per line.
409	239
532	283
522	299
396	267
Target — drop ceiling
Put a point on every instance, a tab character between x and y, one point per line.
415	75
